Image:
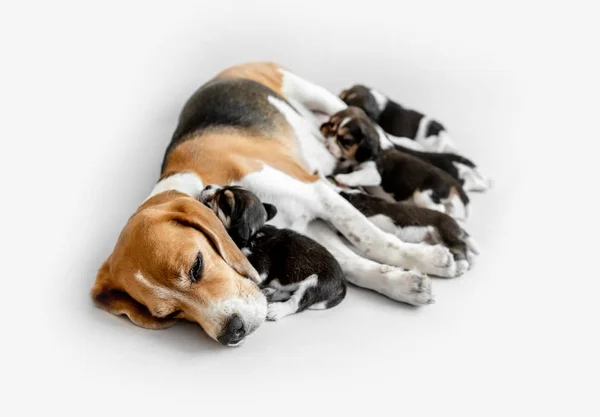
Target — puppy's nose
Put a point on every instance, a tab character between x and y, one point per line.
234	331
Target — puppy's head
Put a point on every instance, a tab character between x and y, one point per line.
363	98
241	211
351	136
174	260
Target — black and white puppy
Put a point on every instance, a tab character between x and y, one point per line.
398	120
415	133
297	273
352	137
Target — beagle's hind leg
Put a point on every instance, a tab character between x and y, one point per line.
312	96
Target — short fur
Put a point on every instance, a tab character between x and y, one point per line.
282	256
393	118
445	228
174	260
403	176
443	160
427	137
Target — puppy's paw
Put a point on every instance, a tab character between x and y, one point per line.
277	311
473	180
472	249
462	266
411	287
268	291
343	180
472	245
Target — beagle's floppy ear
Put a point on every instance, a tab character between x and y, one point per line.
271	210
118	302
193	213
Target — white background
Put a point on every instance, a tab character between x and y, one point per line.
89	96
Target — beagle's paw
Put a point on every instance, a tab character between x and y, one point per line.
411	287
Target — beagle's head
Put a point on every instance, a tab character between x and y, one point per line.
351	136
363	98
174	260
241	211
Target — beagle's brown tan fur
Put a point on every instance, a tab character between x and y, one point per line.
251	125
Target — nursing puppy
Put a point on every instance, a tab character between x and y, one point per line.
413	132
398	120
251	125
353	139
298	272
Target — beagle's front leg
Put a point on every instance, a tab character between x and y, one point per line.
299	202
411	287
376	244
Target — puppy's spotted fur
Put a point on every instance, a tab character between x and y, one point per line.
297	272
399	175
396	119
429	138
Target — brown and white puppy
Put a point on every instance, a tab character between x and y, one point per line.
414	133
174	259
352	137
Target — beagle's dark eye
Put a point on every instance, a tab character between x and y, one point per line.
196	269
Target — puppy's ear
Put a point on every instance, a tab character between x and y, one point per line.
271	210
343	95
241	232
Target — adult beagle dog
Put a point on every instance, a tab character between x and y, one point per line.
252	125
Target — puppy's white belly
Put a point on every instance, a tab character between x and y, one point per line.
311	142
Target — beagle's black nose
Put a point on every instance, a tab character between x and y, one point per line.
234	331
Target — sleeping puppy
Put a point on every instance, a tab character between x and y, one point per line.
352	138
297	272
397	120
413	132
